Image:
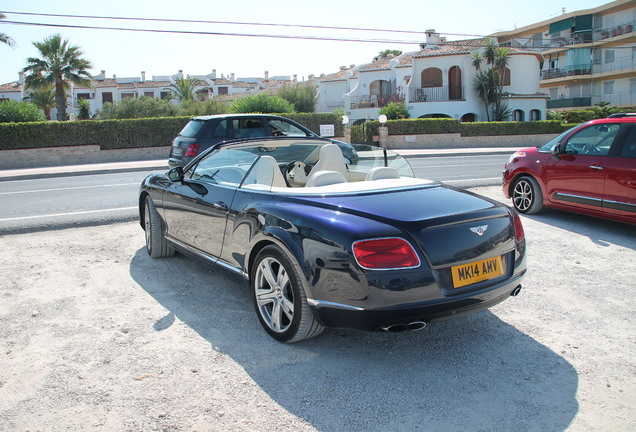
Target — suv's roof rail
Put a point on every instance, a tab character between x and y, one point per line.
622	115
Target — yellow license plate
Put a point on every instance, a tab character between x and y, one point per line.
477	271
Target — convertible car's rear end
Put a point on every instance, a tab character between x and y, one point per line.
469	255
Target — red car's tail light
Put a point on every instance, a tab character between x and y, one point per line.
384	254
192	151
519	233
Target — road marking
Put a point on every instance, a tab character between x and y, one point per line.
67	214
69	188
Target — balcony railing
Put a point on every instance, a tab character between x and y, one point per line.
618	65
617	99
373	101
436	94
580	37
565	72
570	102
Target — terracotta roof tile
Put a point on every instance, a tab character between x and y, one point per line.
12	86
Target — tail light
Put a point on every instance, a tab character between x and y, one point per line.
519	233
192	151
385	254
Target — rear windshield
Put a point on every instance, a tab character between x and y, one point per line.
192	129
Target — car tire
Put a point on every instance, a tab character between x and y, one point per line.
279	297
156	244
527	196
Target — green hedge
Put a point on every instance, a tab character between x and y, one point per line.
118	134
108	134
364	133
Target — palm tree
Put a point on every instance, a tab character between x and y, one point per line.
489	84
43	98
60	65
184	89
3	37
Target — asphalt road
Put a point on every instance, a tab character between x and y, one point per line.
58	202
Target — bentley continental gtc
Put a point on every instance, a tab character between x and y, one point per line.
323	243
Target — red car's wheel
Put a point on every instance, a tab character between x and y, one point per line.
527	196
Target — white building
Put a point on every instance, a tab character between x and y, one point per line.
434	82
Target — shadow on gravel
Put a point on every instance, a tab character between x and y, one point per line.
472	373
600	231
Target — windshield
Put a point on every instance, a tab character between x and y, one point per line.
545	148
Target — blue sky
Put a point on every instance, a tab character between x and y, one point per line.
126	54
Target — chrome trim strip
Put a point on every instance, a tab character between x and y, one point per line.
578	197
324	303
207	258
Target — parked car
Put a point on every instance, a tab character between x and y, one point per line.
203	132
324	244
589	169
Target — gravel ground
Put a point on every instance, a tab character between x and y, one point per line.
95	335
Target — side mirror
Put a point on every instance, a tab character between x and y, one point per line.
176	175
555	152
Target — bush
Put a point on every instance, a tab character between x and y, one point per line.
395	111
301	96
206	107
16	112
108	134
263	103
143	107
364	133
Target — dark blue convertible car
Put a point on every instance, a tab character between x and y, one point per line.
325	244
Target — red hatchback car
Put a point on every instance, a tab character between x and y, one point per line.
589	169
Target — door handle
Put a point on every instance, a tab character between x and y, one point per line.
220	205
596	167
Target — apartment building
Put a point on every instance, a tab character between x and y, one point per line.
590	55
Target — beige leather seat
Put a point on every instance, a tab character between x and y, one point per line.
382	173
325	178
266	172
331	159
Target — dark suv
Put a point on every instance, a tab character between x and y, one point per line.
203	132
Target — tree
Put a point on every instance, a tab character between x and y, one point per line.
184	89
263	103
489	83
84	109
3	37
386	53
302	96
60	64
43	98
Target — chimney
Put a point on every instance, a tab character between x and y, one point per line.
213	74
295	77
266	75
143	76
21	78
114	76
232	77
432	39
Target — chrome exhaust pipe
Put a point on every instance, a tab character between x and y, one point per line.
515	292
401	327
